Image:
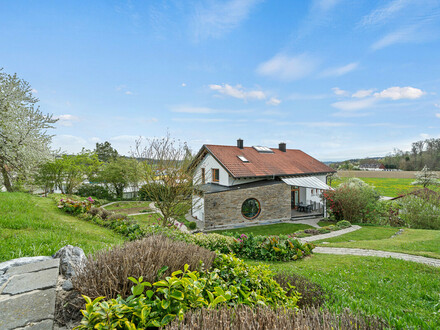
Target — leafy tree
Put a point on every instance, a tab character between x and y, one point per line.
24	141
106	152
167	175
120	174
426	178
49	175
77	168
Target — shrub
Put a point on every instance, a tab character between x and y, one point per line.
75	207
106	273
117	216
263	318
95	190
94	211
420	211
230	282
323	231
312	294
213	242
311	231
104	214
192	225
355	201
343	224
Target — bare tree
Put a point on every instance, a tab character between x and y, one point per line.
167	175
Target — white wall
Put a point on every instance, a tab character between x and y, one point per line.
209	163
198	207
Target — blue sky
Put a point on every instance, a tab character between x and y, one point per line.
336	78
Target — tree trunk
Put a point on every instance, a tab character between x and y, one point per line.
6	180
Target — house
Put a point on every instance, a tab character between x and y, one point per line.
372	167
238	184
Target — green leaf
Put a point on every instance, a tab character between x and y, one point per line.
186	267
133	280
210	296
165	304
178	295
167	319
149	294
218	300
161	283
177	272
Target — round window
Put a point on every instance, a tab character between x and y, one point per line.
251	208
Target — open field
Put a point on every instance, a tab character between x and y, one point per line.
33	226
276	229
420	242
378	174
390	187
402	292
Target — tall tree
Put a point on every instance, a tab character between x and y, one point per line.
120	174
106	152
24	142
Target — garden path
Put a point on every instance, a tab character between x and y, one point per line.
330	235
376	253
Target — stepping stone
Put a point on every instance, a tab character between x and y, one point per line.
43	325
34	267
21	310
31	281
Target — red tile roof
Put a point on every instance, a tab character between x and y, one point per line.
291	162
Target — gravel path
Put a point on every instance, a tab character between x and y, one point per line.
330	235
375	253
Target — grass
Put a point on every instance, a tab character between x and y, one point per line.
390	187
276	229
404	293
33	226
128	205
420	242
146	219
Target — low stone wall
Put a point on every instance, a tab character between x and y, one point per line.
224	208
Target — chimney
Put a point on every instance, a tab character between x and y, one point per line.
282	147
240	143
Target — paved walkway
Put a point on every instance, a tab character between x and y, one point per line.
375	253
27	293
311	222
330	235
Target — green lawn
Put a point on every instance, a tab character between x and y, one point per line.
128	205
32	226
146	219
413	241
276	229
384	186
404	293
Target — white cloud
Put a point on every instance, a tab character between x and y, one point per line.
325	5
384	13
216	18
362	93
339	92
324	124
273	101
285	67
238	92
183	85
352	105
400	36
190	109
340	71
34	91
424	136
67	120
397	93
437	114
128	93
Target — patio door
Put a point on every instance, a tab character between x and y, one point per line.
294	197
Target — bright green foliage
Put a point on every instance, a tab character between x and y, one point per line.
231	282
354	201
343	224
192	225
106	152
268	230
420	211
86	190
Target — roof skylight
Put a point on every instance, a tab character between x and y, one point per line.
243	159
263	150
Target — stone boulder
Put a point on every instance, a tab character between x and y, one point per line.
71	258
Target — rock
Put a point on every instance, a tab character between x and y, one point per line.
32	281
71	257
4	266
67	285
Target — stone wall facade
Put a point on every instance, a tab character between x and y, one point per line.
224	208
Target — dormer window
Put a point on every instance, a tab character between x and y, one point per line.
243	159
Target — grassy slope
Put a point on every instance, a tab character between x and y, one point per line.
403	293
413	241
276	229
32	226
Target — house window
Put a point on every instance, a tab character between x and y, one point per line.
203	175
250	209
215	175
